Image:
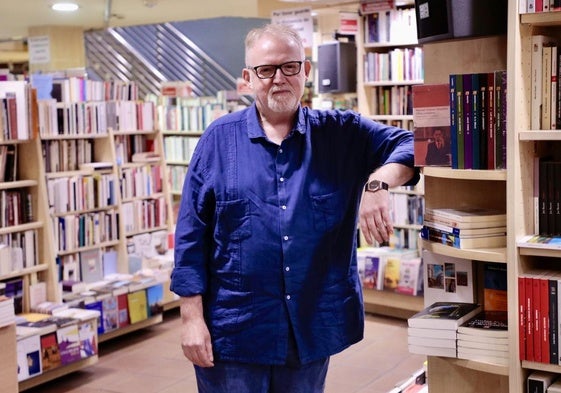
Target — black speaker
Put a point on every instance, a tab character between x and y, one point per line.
446	19
337	67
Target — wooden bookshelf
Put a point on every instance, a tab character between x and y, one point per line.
446	187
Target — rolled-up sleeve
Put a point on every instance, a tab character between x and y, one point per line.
189	276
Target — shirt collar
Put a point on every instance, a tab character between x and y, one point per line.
255	130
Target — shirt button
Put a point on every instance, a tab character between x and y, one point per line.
285	237
283	207
287	297
281	179
287	268
280	151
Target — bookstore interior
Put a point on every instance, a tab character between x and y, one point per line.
98	124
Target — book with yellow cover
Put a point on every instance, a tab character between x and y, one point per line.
138	306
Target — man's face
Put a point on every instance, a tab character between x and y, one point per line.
280	93
438	136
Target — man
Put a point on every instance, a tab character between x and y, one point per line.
438	151
266	236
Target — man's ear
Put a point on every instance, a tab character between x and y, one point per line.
246	76
307	67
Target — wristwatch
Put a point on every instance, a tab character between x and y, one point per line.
375	185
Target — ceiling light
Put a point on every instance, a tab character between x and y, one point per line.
65	7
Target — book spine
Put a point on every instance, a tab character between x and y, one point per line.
453	124
529	319
536	315
475	118
553	322
544	318
460	121
521	318
491	120
468	114
483	131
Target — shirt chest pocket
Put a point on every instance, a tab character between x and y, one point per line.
328	209
233	219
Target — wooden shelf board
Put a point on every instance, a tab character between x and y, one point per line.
542	366
393	83
539	135
541	18
21	228
391	303
131	328
57	373
17	184
480	254
478	366
465	174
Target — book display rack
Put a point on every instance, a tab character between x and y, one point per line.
389	63
462	189
532	139
384	94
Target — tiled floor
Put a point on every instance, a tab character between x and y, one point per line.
151	361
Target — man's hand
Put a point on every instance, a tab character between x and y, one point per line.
195	337
374	215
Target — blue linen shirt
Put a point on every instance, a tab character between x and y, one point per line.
267	233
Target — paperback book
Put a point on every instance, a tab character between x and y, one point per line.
444	315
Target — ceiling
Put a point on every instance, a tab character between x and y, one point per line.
16	18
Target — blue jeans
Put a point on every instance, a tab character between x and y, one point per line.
230	377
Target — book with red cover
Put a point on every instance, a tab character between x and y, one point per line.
50	352
431	119
522	317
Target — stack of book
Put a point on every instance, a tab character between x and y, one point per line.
465	227
432	331
484	338
7	315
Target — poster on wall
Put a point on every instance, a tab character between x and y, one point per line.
299	19
348	23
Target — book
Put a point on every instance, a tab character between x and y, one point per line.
373	260
444	315
538	241
431	120
137	305
449	279
471	215
91	265
449	239
50	353
464	232
28	357
538	42
431	333
555	387
495	287
68	339
432	342
486	324
410	277
154	298
539	381
482	355
123	310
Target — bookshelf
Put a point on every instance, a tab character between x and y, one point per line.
446	187
389	63
383	94
524	144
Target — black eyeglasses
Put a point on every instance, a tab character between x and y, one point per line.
267	71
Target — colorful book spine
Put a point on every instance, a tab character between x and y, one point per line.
453	124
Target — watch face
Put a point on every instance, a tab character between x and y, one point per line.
375	185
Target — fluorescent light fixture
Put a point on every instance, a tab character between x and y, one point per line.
65	7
